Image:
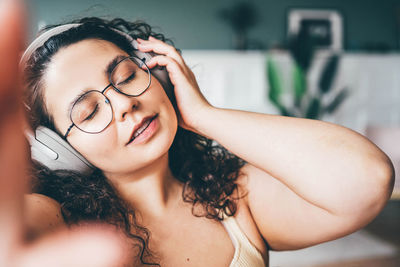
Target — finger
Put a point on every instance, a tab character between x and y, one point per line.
11	43
94	246
160	47
179	57
12	146
174	70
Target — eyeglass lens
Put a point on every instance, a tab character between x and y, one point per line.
92	112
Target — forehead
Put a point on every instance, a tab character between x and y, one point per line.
80	56
75	68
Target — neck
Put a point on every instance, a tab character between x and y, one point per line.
152	190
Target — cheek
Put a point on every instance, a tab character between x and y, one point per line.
171	113
167	111
95	147
160	96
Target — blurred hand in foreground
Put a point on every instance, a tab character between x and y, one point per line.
96	245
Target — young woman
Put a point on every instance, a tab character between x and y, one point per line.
274	182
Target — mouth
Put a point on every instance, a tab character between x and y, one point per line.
141	127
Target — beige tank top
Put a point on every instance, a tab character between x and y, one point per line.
246	255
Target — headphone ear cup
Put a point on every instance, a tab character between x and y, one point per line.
159	72
49	149
163	77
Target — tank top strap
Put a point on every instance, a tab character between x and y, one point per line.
245	252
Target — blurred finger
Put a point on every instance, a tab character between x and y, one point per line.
94	246
12	146
11	44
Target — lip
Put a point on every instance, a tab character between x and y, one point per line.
137	126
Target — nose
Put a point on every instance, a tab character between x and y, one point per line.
121	104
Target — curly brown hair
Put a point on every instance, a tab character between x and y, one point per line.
207	169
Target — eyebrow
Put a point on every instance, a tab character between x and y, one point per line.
111	65
107	72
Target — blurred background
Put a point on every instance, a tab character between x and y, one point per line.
332	60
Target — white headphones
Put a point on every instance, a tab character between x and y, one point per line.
47	147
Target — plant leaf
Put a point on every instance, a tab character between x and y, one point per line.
328	74
301	48
337	101
299	84
285	112
313	109
275	87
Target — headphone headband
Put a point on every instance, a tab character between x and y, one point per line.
41	39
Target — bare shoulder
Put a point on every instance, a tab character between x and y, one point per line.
42	214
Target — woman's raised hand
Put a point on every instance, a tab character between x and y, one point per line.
191	103
89	246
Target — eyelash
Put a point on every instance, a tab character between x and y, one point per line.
93	113
128	79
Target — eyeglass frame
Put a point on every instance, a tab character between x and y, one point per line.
106	98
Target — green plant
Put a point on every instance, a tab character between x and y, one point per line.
305	104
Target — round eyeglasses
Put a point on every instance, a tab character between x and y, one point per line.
92	112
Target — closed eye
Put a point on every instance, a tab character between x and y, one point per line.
127	79
91	115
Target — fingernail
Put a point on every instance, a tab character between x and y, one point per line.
139	40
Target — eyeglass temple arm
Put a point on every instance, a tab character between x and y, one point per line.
69	129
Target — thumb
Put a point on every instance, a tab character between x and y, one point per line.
12	147
12	36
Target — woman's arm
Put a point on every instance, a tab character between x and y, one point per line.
326	164
309	181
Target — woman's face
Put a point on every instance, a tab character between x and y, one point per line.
80	67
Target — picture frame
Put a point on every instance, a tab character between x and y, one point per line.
324	26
